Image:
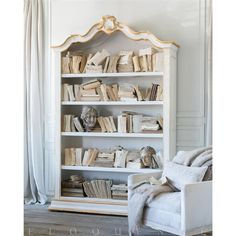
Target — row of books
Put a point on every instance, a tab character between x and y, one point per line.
98	188
131	122
146	60
116	157
127	122
95	90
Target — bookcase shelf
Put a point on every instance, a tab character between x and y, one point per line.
111	75
111	103
123	39
106	169
109	135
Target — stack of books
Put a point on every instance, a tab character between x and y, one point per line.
149	124
119	191
73	156
104	159
145	60
72	123
98	188
73	187
88	90
155	93
107	124
125	63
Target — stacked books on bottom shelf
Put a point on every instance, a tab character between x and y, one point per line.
73	187
76	186
119	191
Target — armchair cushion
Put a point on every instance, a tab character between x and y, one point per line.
180	175
170	202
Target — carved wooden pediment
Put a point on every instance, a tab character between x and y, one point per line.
109	24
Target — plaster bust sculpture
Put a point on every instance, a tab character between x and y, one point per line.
147	154
89	117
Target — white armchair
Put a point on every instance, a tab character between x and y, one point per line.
184	213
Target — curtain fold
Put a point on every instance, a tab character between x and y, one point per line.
209	75
34	184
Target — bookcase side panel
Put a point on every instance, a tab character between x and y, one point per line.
57	78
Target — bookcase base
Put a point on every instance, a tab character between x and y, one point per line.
89	207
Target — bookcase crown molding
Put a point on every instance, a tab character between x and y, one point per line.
108	25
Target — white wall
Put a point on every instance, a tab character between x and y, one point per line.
182	21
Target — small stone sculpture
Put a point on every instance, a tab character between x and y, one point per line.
89	118
147	154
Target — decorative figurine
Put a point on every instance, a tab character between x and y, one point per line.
147	155
89	117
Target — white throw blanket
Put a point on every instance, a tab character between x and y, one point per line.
143	194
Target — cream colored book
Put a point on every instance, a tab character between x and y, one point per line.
85	158
70	92
99	57
110	93
93	156
99	92
143	63
92	85
106	64
101	123
66	64
65	93
159	95
88	92
94	69
112	68
112	123
104	92
136	64
73	128
76	60
107	124
158	61
115	91
83	63
77	124
67	157
120	159
149	62
67	123
78	156
138	93
77	92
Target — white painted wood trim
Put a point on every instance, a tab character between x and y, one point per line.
116	103
109	75
106	169
114	135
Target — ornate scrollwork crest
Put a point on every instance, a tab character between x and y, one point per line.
108	24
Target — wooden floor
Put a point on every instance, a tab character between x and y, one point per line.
40	221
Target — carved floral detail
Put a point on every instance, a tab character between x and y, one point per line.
108	24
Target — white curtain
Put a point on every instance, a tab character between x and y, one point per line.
209	74
34	123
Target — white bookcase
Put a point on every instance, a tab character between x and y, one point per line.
114	37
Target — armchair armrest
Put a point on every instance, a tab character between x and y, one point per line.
196	206
136	178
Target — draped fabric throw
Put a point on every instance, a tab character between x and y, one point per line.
34	189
